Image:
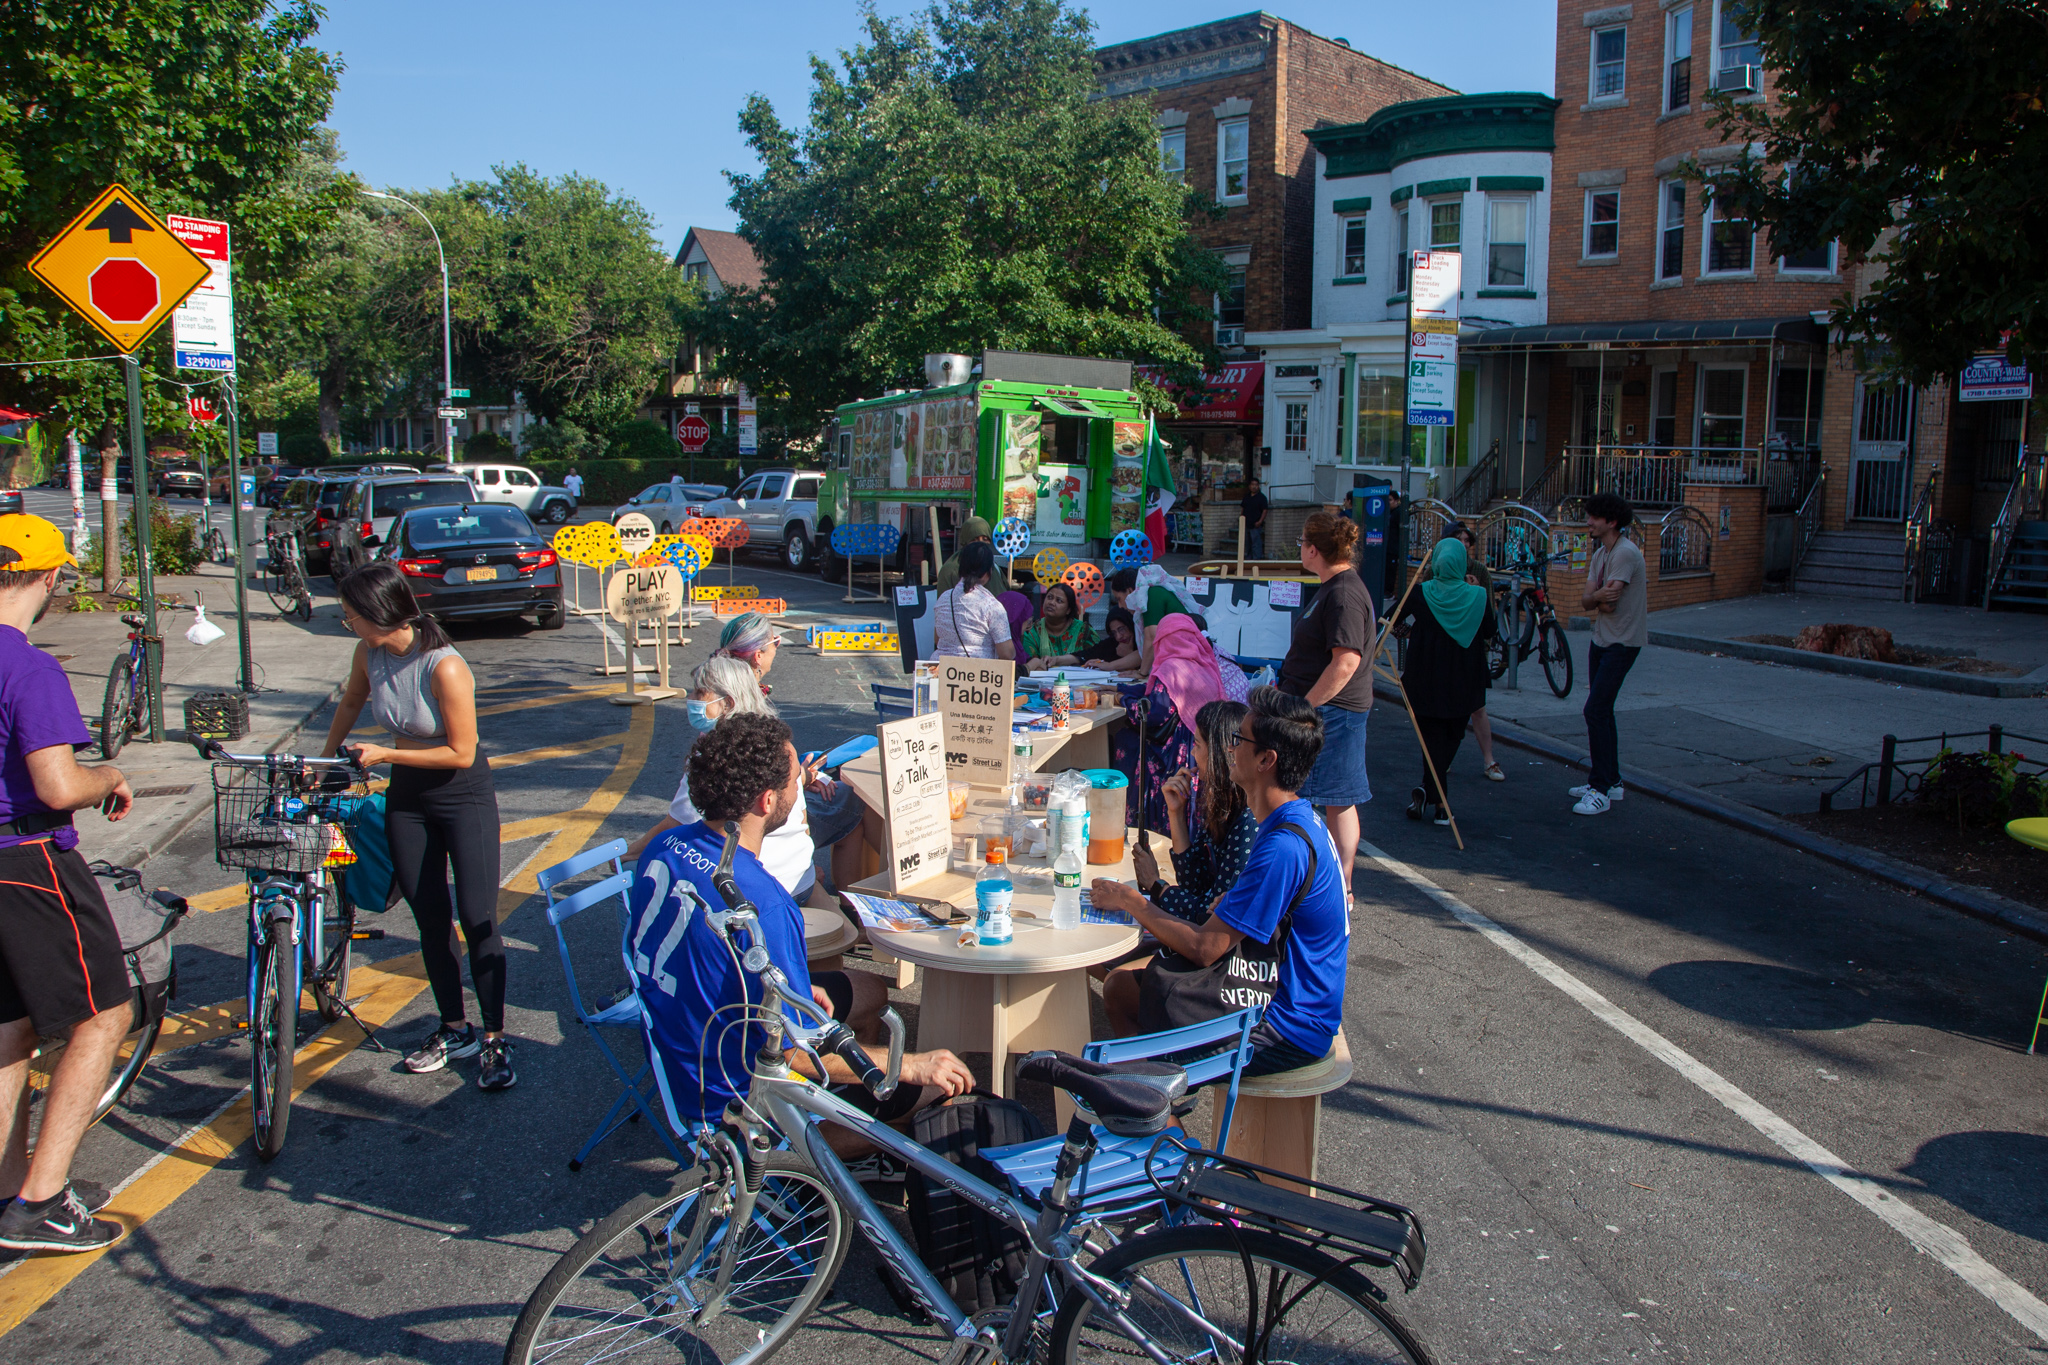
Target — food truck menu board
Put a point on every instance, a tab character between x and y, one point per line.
1127	477
1021	438
913	754
940	443
873	434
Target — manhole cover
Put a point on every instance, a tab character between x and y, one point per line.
164	791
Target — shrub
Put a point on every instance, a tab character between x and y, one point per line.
561	440
1981	789
173	546
306	448
487	446
641	439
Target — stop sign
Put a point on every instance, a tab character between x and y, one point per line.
124	290
693	431
201	409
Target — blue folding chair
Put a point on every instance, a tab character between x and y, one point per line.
1114	1183
623	1010
894	703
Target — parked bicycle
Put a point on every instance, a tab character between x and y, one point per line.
284	576
125	704
747	1242
281	819
215	546
1541	634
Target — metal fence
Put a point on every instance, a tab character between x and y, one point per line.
1685	543
1897	774
1651	478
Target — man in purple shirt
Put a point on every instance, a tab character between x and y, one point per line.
61	969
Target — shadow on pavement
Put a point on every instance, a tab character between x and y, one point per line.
1992	1176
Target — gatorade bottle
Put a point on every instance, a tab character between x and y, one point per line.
992	891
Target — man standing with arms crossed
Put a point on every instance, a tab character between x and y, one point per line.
1617	593
61	967
1254	508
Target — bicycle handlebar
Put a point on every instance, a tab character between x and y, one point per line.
350	758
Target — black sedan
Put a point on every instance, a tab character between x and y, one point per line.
477	559
178	479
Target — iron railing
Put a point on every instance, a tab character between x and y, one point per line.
1480	486
1896	776
1514	537
1685	543
1648	477
1788	479
1809	515
2023	497
1917	522
1428	519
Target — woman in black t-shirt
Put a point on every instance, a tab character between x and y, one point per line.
1326	663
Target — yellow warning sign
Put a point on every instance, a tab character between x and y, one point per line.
120	267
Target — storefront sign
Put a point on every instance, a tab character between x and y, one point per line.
914	799
1062	505
974	695
1433	339
1988	379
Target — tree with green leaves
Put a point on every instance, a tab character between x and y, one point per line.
960	186
1918	135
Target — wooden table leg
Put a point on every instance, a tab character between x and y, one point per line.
955	1011
1275	1132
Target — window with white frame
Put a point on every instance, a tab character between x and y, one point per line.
1402	260
1724	390
1730	242
1610	63
1678	59
1603	223
1817	260
1507	243
1233	159
1446	225
1294	426
1734	50
1351	253
1173	155
1671	230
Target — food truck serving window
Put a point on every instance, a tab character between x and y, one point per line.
1070	407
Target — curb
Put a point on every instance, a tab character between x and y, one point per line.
1973	901
2031	685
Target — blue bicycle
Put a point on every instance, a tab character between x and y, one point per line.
283	819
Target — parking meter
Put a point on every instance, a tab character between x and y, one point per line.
1371	510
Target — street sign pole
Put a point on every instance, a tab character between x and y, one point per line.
145	582
237	556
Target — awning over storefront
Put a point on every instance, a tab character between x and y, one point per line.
15	415
1564	336
1232	394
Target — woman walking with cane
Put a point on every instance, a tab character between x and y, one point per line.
441	811
1449	625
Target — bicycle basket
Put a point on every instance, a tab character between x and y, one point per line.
1340	1222
262	822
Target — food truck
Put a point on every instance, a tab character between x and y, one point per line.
1056	440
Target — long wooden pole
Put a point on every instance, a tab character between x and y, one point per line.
1429	764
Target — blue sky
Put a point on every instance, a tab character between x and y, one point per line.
645	96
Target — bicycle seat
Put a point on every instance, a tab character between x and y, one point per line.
1130	1099
129	618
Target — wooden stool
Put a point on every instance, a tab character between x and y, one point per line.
1278	1115
827	936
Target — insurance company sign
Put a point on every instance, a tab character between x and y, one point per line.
1989	379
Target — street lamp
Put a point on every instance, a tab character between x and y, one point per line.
447	346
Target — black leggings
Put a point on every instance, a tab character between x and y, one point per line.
1442	735
436	818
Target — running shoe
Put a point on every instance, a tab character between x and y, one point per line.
64	1224
495	1072
1592	803
1612	794
442	1047
1416	801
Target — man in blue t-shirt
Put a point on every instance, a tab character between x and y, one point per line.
1270	756
743	770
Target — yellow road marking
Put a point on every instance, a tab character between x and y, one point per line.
29	1283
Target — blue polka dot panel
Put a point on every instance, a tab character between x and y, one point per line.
865	538
1130	549
1012	537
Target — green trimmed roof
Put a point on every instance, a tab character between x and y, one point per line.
1511	121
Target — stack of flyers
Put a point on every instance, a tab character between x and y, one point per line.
880	912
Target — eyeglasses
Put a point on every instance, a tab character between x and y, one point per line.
1237	737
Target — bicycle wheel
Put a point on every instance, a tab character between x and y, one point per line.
638	1277
1304	1307
1557	658
330	976
1525	639
273	1037
129	1059
216	546
1497	648
118	710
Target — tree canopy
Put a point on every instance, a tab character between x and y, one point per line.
960	185
1920	140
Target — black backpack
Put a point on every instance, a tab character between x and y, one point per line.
978	1260
1175	993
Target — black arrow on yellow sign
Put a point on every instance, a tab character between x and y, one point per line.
119	221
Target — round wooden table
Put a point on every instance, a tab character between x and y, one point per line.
827	936
2032	831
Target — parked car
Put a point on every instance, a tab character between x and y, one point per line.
308	510
669	505
370	505
177	479
269	490
780	508
11	502
514	485
467	560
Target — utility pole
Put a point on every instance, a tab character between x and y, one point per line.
447	335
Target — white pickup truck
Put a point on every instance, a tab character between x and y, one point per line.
780	508
514	485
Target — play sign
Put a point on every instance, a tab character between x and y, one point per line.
694	433
120	267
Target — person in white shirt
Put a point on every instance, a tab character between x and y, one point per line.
574	483
969	621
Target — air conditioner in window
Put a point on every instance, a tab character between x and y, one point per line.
1230	336
1738	80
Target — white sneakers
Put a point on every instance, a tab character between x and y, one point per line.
1593	801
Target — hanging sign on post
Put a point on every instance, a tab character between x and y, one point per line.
975	695
1433	339
120	267
203	326
920	825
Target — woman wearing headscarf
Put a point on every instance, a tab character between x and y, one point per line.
1448	627
1482	724
1059	634
1151	594
1185	678
974	530
1018	608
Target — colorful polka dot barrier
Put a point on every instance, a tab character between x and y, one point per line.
1012	537
727	533
688	559
865	538
1130	549
656	552
1048	564
594	544
1086	581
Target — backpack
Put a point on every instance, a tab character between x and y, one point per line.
1174	992
371	882
978	1260
144	920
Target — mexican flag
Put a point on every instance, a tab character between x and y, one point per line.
1159	479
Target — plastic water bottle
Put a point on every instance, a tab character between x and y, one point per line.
992	892
1066	880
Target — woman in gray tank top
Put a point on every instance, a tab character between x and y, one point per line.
441	811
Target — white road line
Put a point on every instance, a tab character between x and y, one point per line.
1937	1239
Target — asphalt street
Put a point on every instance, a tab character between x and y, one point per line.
1602	1058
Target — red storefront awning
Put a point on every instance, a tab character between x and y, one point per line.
14	415
1231	394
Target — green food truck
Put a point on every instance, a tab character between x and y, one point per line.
1057	440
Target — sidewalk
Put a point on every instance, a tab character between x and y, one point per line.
299	666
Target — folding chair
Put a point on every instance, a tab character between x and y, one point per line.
893	703
623	1010
1114	1180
